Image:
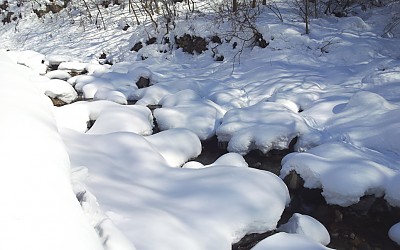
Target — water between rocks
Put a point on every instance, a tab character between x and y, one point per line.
362	226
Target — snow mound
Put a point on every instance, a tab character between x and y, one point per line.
77	115
285	241
394	233
31	59
344	172
129	118
308	226
358	152
58	74
56	88
185	145
117	83
152	95
186	109
264	126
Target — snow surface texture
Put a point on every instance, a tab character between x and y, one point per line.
40	210
308	226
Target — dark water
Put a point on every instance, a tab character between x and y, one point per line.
362	226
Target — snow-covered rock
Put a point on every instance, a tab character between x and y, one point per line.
308	226
264	126
285	241
186	109
344	172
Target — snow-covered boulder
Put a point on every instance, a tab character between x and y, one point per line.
58	74
136	119
285	241
264	126
186	109
56	88
344	172
307	226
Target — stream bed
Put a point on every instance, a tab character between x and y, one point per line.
362	226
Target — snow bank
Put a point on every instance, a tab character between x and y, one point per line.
307	226
41	211
285	241
264	126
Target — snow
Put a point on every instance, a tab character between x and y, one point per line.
357	153
41	211
394	233
335	91
264	126
308	226
157	206
345	173
186	109
228	159
285	241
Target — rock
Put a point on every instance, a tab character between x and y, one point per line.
191	44
137	46
143	82
293	180
152	40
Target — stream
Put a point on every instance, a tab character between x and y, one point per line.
362	226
